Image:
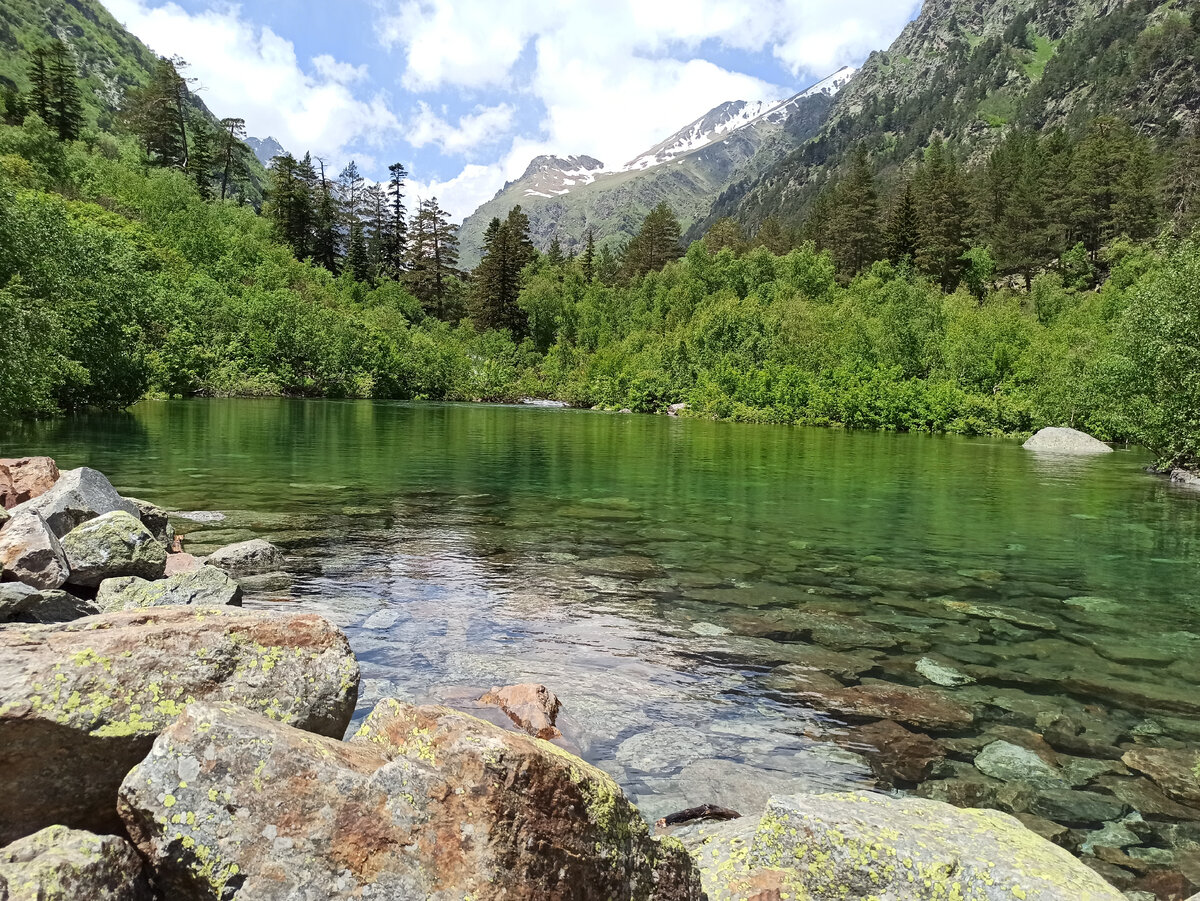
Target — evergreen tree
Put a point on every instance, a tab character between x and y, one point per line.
395	231
854	227
156	113
15	108
325	225
433	275
608	266
588	260
65	106
201	159
772	236
655	244
945	211
1017	220
903	228
1183	189
39	79
351	200
497	280
725	233
554	255
233	153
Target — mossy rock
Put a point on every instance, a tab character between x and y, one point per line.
61	864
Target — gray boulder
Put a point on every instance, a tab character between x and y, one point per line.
1066	441
1011	763
21	603
112	545
61	864
1185	478
254	556
77	496
834	847
30	552
81	703
423	803
156	521
206	586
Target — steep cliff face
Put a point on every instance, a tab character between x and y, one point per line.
968	70
565	196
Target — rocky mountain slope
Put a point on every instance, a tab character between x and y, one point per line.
968	70
266	149
565	196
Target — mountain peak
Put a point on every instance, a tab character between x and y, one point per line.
550	176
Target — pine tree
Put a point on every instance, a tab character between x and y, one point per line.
854	227
233	153
433	275
325	225
201	159
15	108
65	105
1015	216
772	236
588	260
395	231
608	266
554	255
497	280
351	197
39	79
903	228
945	211
157	114
655	244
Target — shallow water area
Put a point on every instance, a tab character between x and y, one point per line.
723	609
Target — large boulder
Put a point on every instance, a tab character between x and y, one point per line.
81	703
206	586
111	545
156	521
21	603
424	803
24	479
77	496
1066	441
30	552
246	557
840	846
61	864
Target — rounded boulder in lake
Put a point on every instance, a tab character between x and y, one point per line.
1070	442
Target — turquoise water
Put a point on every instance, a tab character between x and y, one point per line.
658	574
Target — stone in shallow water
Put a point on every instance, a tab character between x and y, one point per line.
1012	763
1077	808
834	847
920	707
61	864
708	630
248	557
1003	614
206	586
665	749
895	753
1068	442
1173	771
111	545
942	674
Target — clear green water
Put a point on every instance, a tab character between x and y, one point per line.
656	573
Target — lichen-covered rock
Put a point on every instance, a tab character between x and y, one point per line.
112	545
206	586
30	552
534	708
424	803
254	556
61	864
156	521
1066	441
835	847
20	603
26	478
77	496
81	703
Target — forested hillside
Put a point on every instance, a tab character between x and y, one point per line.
1047	278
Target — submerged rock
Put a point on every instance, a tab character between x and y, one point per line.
534	708
254	556
206	586
422	803
77	496
1173	771
834	847
30	551
81	703
895	753
61	864
1012	763
25	478
665	749
921	707
1066	441
112	545
20	603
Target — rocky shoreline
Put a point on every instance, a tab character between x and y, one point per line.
156	741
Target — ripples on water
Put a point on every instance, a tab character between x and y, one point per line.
681	584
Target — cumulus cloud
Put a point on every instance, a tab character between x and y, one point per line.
473	131
250	71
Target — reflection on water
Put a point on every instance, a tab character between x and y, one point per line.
718	606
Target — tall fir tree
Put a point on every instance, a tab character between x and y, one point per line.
588	260
854	226
496	284
903	232
201	159
772	235
233	153
40	83
65	105
394	251
945	216
432	271
655	244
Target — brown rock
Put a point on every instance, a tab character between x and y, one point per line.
1173	771
924	708
25	478
422	803
179	563
1147	798
1166	885
30	552
81	703
534	708
1047	829
896	754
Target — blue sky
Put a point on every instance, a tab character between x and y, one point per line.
466	92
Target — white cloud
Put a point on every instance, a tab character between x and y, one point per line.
250	71
617	77
474	130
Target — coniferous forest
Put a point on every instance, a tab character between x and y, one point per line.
1049	278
